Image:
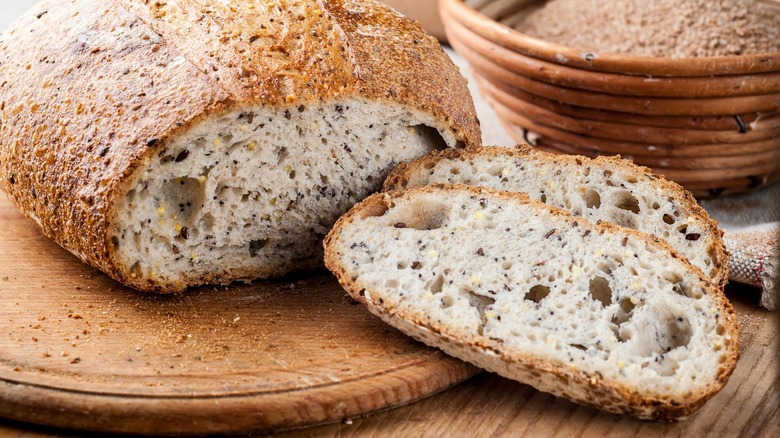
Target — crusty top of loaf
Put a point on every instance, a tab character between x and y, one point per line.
91	89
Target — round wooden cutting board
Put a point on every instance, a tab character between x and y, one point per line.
78	350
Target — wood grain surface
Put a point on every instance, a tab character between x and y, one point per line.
80	351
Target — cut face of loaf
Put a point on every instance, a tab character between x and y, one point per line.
599	314
252	193
602	189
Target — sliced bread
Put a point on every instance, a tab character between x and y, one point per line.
599	314
602	189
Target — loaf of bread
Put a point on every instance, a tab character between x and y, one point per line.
599	314
606	189
173	144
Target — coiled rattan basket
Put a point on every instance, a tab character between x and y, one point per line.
711	124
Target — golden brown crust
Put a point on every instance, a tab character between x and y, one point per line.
90	90
81	110
582	387
398	179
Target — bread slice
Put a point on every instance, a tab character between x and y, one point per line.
172	144
602	189
599	314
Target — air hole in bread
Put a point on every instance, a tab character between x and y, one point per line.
672	277
592	198
623	313
506	266
659	332
256	245
447	301
624	333
668	219
712	250
181	199
543	198
626	201
135	269
599	290
436	286
454	170
430	135
627	306
424	215
678	332
374	210
401	265
683	289
206	223
479	302
537	293
281	155
496	171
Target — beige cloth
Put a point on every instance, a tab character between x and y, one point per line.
751	222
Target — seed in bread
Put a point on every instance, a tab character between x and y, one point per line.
599	314
173	144
602	189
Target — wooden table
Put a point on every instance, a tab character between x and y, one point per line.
488	405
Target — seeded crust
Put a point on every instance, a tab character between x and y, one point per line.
548	176
92	92
378	253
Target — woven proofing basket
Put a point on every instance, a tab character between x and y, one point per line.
710	124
